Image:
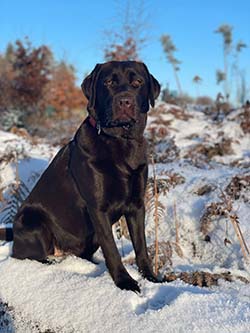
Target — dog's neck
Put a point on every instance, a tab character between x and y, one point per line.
122	132
127	146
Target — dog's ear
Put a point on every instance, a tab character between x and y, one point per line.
154	87
89	86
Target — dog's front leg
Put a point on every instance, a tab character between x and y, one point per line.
135	220
112	257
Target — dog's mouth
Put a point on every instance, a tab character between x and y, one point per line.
119	117
120	112
126	124
124	111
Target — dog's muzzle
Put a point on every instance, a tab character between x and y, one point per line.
124	109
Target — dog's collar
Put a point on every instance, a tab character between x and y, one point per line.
95	124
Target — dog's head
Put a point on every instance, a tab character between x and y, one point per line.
119	93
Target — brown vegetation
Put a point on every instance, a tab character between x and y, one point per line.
239	187
35	85
122	52
204	100
245	120
203	279
61	94
202	153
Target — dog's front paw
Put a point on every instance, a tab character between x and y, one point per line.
148	274
128	283
156	279
153	278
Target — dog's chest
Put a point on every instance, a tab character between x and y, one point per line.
128	155
120	170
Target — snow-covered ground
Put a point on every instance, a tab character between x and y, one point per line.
78	296
197	158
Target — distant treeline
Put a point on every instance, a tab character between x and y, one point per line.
33	82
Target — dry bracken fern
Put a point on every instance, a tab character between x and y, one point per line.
203	279
18	193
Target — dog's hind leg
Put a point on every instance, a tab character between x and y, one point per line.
32	237
91	247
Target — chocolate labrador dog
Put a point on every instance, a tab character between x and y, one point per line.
96	178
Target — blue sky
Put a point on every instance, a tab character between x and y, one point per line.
74	29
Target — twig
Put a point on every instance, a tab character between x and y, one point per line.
241	235
244	248
235	222
156	217
17	174
176	225
177	239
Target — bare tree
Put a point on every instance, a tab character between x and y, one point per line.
197	80
226	31
129	35
242	92
169	48
220	76
237	76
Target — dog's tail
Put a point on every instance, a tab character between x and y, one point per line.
6	234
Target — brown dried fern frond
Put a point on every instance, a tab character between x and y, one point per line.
178	248
164	254
121	228
12	154
239	187
225	209
150	198
213	210
203	279
1	195
17	195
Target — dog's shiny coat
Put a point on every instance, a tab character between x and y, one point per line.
96	178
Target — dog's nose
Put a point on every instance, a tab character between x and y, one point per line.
125	102
124	108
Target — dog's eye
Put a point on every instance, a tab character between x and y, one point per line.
136	83
109	82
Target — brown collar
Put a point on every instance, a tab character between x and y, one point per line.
94	123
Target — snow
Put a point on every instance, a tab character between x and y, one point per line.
78	296
74	295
